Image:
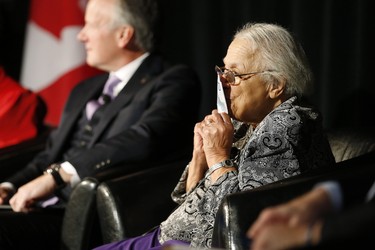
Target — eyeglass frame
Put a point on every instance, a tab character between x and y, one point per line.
221	71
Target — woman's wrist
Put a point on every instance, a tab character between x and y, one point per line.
213	159
219	172
196	170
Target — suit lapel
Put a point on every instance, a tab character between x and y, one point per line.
75	108
145	73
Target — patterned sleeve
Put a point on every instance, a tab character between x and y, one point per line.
271	154
179	192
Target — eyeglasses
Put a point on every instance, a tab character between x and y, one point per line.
230	76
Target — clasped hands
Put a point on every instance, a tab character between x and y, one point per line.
213	138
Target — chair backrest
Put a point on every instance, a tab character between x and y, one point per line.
347	143
119	203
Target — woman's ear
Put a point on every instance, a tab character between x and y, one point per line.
125	35
277	89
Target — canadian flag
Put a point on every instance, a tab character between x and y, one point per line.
54	60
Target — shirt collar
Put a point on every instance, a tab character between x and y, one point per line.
127	71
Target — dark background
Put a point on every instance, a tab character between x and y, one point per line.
337	37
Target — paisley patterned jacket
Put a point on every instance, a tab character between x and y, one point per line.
289	141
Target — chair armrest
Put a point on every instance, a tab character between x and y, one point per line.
131	205
79	231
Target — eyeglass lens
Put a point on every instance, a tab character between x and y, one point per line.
227	74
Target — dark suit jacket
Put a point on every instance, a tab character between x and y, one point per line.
152	119
354	227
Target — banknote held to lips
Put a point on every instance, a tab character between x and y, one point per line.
220	100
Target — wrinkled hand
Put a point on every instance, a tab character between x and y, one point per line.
212	143
198	165
198	151
216	131
35	190
5	194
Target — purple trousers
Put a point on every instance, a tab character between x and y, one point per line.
148	241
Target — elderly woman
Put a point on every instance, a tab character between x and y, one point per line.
267	135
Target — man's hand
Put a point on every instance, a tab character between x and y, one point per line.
284	226
303	210
35	190
279	237
5	194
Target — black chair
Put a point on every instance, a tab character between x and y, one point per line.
354	152
106	209
131	205
238	211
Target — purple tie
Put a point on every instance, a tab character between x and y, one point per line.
107	96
